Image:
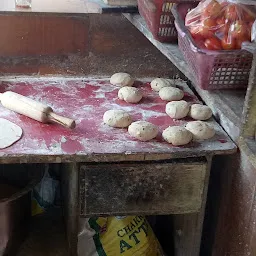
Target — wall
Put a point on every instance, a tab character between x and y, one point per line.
89	44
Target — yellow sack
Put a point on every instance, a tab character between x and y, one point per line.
113	236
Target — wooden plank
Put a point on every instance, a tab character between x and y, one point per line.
249	118
249	148
227	105
121	2
65	7
247	140
92	140
142	188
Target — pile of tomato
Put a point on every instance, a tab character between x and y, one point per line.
220	26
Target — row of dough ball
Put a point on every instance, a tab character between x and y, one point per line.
145	131
195	130
159	83
181	109
134	95
126	92
124	79
177	108
166	88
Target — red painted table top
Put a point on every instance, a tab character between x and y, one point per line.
86	100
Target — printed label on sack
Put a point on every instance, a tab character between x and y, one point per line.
126	236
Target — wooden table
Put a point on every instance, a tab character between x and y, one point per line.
105	171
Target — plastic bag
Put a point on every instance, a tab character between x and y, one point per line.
112	236
44	193
221	24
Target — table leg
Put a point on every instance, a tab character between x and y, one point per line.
70	188
188	227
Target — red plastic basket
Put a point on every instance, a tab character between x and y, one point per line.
159	18
212	69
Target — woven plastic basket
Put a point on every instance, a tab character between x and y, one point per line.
159	18
212	69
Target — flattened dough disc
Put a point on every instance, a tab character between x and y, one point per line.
9	133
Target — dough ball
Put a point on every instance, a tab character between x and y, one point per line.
177	109
143	130
117	118
171	93
177	135
200	112
122	79
159	83
175	82
200	130
130	94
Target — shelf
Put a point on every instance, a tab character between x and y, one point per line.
249	146
65	7
227	105
47	236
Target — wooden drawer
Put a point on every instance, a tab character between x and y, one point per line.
142	188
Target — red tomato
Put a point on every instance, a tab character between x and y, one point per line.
248	15
205	32
222	27
213	44
232	12
238	29
221	21
239	41
205	15
228	43
223	31
250	26
239	44
207	28
213	9
192	20
224	4
200	44
209	23
195	32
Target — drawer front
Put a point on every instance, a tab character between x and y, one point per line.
141	188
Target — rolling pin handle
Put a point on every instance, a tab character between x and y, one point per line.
65	121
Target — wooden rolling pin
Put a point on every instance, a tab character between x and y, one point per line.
33	109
